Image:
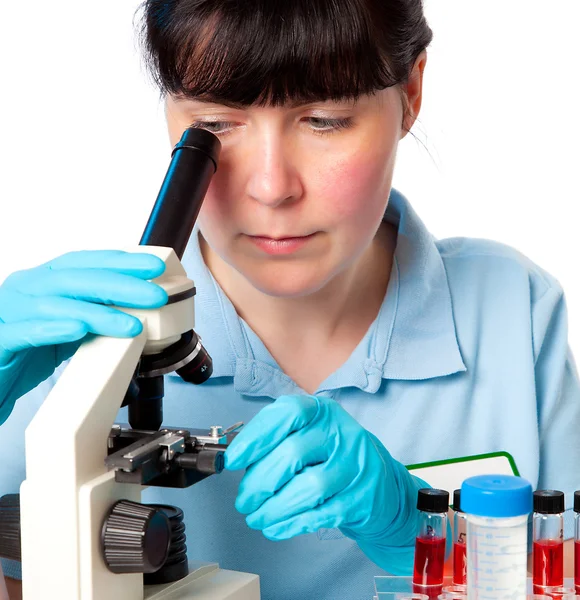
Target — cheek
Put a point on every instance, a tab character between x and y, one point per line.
356	188
222	205
216	211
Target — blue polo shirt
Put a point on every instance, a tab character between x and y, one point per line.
467	355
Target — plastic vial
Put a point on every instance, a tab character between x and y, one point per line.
459	541
548	547
497	509
430	542
577	541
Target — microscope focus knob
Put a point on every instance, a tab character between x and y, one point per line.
135	538
10	527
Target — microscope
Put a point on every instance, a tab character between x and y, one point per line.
78	525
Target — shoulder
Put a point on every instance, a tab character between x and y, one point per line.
490	251
480	260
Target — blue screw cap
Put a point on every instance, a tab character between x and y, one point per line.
496	496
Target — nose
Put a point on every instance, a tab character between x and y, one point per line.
274	178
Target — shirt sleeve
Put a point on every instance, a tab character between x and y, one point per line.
557	397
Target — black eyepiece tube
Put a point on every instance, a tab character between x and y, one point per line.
194	161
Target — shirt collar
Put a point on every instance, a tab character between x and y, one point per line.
423	342
412	338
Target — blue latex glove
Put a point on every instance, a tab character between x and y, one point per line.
47	311
310	465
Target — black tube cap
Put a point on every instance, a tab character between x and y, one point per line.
432	500
457	500
577	501
548	502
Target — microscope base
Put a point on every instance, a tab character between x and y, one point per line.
206	581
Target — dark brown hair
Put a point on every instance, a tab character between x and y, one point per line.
277	51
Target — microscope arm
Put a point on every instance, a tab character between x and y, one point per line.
73	426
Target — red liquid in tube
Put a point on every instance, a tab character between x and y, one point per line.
429	561
577	566
548	563
459	564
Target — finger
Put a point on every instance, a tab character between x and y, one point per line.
268	428
309	489
99	319
327	516
139	264
92	285
15	337
265	477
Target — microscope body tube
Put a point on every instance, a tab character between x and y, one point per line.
193	163
548	540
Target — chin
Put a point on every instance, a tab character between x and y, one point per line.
283	284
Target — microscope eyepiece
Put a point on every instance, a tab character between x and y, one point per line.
193	163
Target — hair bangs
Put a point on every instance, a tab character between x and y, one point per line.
265	52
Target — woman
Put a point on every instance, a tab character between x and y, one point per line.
341	331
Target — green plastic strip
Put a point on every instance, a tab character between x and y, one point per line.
449	461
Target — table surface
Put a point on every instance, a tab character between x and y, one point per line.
405	584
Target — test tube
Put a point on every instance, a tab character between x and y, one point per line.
577	541
459	541
561	593
455	589
430	541
548	546
497	509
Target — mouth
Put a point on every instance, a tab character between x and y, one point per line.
281	244
281	238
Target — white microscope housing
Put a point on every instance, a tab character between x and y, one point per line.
62	544
79	527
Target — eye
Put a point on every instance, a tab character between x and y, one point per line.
214	126
323	125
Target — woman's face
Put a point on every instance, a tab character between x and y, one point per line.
300	191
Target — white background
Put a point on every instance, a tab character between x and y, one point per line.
83	146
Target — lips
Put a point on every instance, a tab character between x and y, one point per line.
279	238
280	245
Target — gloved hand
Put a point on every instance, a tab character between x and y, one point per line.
311	465
46	312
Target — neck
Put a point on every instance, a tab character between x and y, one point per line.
342	310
